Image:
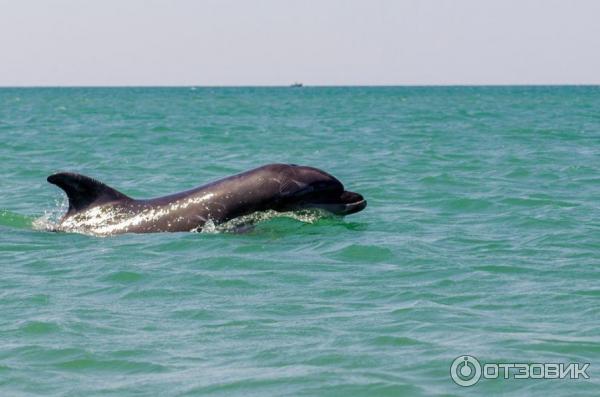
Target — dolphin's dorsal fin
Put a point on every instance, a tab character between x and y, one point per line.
85	192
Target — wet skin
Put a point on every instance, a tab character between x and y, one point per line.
277	187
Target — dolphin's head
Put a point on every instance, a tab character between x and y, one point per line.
307	187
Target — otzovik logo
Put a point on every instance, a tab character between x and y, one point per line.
467	370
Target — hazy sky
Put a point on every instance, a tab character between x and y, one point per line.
321	42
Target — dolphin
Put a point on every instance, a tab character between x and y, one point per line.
96	208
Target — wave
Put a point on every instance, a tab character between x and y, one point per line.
15	220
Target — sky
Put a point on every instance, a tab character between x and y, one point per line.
316	42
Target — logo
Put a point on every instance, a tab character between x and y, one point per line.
467	370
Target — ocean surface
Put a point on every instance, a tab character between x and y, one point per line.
481	237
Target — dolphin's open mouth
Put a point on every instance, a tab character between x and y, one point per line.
352	202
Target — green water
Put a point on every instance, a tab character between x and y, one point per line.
482	237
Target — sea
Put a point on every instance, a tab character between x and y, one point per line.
480	244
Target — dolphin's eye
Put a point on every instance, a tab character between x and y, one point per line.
304	191
322	186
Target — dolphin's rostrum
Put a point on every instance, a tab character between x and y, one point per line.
99	209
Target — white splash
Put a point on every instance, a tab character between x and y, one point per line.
49	221
245	221
103	221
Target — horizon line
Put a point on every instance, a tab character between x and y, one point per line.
307	85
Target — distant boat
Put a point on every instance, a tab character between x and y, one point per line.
296	85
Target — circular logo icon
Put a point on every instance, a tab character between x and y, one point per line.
465	371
